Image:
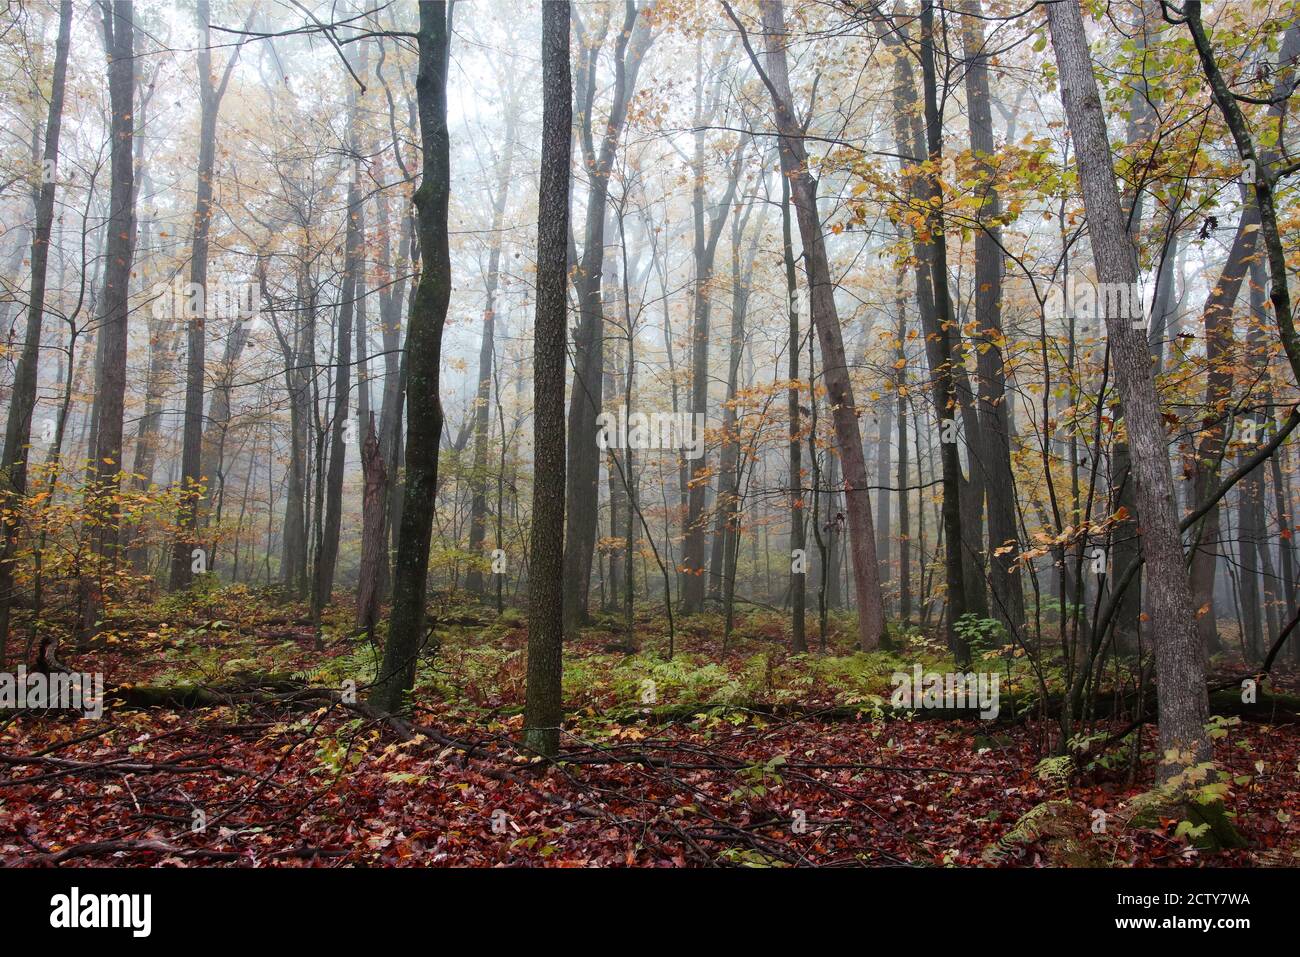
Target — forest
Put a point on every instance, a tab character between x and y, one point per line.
649	434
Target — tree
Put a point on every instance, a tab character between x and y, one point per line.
432	296
486	356
944	368
1261	216
994	415
726	528
110	366
707	234
1180	659
328	550
798	561
583	470
192	481
1219	342
544	710
372	529
803	190
22	403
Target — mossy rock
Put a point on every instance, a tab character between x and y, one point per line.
1211	828
1220	833
1061	828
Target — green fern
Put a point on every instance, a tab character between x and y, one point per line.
1056	772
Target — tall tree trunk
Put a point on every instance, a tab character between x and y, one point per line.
616	472
110	370
424	356
298	361
1250	493
904	514
794	163
833	523
1260	162
194	490
583	470
950	391
627	478
708	230
22	403
217	426
726	509
487	350
884	462
328	543
798	553
543	710
373	553
1219	359
391	300
365	147
1180	659
946	388
995	420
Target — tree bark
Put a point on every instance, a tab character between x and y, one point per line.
406	636
543	710
583	471
798	553
995	421
22	402
194	491
373	553
1180	659
328	544
794	163
707	233
110	369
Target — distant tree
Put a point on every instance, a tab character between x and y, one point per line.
22	403
194	487
803	191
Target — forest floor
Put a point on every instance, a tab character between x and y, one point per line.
225	741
